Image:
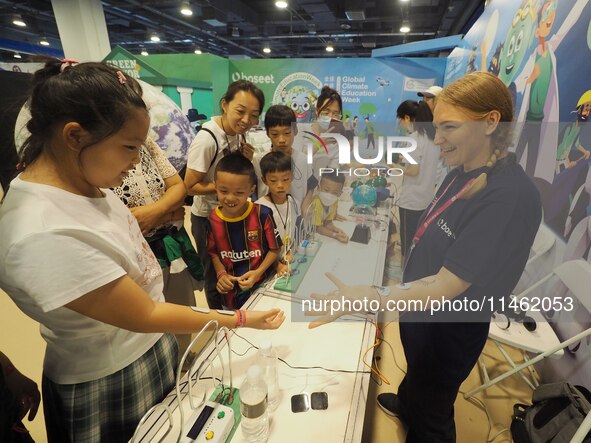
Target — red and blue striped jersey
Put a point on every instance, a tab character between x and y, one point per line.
241	243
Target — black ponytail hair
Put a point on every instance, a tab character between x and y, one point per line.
327	96
407	107
424	120
98	97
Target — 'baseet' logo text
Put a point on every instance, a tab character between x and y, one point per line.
257	79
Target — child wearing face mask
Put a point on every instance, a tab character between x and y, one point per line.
323	208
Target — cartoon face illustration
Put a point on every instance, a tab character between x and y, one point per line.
518	40
584	112
301	101
546	19
300	105
584	107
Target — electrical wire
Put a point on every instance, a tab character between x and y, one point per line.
344	371
475	401
373	366
383	340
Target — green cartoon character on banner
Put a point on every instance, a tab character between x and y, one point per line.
519	39
301	100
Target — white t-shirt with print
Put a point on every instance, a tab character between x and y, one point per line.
285	215
203	158
301	171
55	247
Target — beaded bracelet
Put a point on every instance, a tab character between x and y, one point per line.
240	318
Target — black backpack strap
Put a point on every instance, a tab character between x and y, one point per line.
518	428
217	146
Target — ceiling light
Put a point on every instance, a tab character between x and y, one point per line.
154	37
43	42
17	55
329	47
186	9
267	50
404	1
281	5
144	53
198	51
18	21
405	28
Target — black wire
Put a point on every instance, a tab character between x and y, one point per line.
244	353
302	367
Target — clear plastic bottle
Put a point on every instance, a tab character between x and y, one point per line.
268	361
253	407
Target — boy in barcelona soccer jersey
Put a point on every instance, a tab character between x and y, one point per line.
243	241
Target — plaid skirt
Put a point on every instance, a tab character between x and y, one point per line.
109	409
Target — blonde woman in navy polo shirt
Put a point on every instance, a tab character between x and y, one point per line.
471	247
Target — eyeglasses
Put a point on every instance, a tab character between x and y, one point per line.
522	14
331	114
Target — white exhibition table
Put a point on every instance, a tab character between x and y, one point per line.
339	345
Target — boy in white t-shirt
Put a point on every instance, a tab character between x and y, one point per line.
276	173
280	124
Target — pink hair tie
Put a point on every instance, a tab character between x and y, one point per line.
121	77
66	63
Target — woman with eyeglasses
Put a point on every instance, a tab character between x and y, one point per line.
241	107
329	112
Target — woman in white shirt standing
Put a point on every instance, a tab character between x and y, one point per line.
418	184
241	106
75	260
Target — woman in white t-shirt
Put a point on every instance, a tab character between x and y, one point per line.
241	106
75	260
419	181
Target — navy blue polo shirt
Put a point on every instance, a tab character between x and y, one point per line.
485	241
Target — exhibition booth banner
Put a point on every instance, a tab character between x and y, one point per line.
540	50
530	46
368	87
